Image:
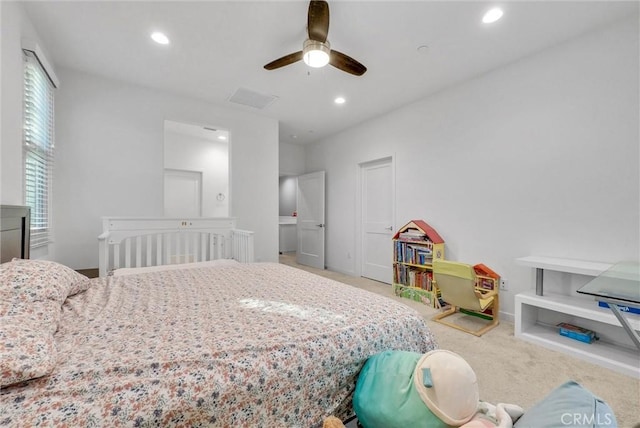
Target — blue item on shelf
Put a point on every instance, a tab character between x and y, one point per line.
622	308
577	333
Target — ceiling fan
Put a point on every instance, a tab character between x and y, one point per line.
316	50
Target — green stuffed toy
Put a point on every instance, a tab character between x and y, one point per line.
439	389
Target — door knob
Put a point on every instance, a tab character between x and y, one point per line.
389	228
320	225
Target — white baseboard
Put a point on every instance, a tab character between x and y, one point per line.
505	316
342	271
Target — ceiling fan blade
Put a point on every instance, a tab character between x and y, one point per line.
346	63
318	20
285	60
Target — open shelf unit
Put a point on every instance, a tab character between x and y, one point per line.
415	245
533	313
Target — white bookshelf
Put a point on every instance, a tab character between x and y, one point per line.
536	317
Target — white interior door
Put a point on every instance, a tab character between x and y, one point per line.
310	197
377	219
182	193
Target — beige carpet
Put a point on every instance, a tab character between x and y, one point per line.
510	370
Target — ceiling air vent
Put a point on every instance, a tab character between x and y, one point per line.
251	98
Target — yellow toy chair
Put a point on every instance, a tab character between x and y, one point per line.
459	287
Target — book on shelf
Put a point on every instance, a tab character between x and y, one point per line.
418	229
489	282
410	253
412	235
411	277
577	333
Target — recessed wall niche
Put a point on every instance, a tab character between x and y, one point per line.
196	170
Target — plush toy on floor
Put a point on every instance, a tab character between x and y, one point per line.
332	422
398	389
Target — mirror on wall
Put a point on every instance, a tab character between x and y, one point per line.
196	170
288	208
288	187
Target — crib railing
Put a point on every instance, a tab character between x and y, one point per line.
143	242
242	245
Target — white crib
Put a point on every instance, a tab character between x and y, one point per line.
142	242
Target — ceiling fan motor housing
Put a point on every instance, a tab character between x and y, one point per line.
316	53
316	50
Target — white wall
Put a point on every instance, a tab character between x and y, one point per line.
291	159
109	152
109	161
15	26
538	158
211	158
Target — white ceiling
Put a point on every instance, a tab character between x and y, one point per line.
220	46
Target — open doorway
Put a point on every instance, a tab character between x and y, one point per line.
287	220
311	223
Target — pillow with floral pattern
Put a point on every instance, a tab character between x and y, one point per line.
32	293
27	349
24	281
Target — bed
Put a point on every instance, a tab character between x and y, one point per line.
214	343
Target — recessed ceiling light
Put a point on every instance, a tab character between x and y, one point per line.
339	100
160	38
222	137
492	15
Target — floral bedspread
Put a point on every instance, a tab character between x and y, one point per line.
255	345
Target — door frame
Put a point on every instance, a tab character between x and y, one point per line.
391	159
184	173
322	226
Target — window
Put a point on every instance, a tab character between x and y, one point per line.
38	143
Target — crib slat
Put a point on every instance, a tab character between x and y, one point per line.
138	250
116	256
127	253
194	248
159	249
148	239
176	258
203	247
184	257
162	241
242	245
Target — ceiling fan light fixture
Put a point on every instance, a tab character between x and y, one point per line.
315	53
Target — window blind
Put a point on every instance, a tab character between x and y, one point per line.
38	141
